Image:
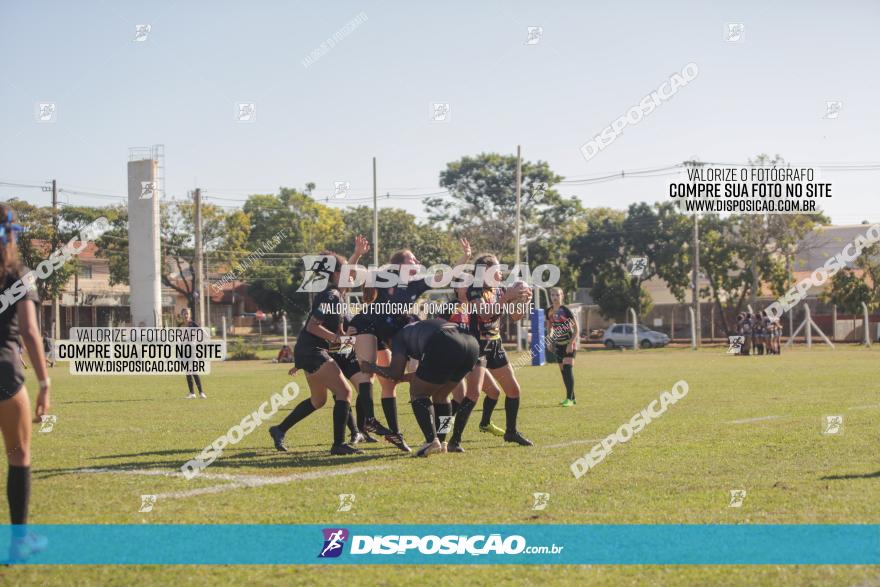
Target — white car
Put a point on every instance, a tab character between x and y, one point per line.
621	335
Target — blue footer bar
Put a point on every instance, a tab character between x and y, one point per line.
788	544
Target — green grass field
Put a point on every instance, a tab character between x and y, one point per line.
752	423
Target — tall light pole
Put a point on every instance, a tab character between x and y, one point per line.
518	198
517	241
375	219
199	262
696	269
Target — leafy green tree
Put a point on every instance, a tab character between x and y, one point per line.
848	292
35	245
398	229
482	202
308	228
603	251
222	234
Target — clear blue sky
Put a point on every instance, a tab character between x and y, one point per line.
371	94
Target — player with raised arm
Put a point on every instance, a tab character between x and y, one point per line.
485	303
370	348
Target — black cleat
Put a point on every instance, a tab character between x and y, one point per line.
454	447
345	449
518	438
375	426
398	441
278	438
357	437
367	438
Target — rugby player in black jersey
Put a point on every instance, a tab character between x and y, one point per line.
484	301
19	318
312	354
446	355
370	348
562	328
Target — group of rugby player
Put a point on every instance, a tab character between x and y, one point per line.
760	333
459	353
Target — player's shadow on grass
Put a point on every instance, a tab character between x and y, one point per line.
852	476
229	462
102	401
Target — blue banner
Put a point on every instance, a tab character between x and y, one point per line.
537	345
842	544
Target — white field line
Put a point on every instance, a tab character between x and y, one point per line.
865	407
237	481
750	420
573	442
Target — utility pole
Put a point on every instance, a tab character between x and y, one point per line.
56	303
518	196
516	242
375	219
695	286
197	274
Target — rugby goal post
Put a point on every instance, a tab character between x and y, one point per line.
808	322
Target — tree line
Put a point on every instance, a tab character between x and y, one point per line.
741	257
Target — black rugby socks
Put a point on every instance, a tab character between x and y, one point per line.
568	379
18	492
424	412
488	408
389	406
302	409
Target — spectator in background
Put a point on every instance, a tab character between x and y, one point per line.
285	355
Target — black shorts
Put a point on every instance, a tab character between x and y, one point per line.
449	356
493	352
310	359
348	364
11	378
367	324
562	352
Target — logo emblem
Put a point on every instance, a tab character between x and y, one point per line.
440	112
832	109
541	501
340	189
833	425
246	112
539	189
319	268
534	35
735	344
346	502
147	503
148	188
47	422
735	32
334	540
737	497
636	266
47	112
446	423
141	32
